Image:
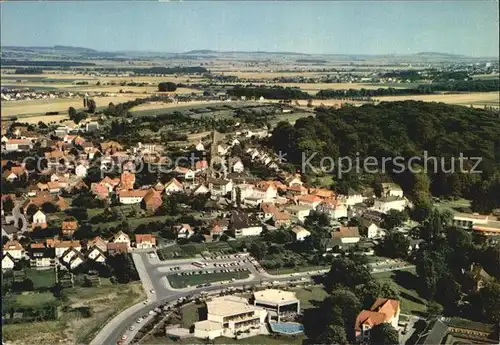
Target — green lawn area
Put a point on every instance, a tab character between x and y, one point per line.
296	269
405	281
41	278
180	281
193	249
458	205
35	299
309	295
190	314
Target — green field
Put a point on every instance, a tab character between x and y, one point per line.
180	281
309	295
41	278
405	281
193	249
277	271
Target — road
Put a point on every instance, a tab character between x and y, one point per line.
153	274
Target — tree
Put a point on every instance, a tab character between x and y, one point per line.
258	250
374	289
395	245
167	87
490	300
384	334
91	105
8	205
238	197
71	113
346	272
394	218
31	210
333	334
48	207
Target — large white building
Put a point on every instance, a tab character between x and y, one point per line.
388	203
278	303
230	316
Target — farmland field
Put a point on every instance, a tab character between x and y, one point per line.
474	98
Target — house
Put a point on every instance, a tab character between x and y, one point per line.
100	190
382	311
217	227
346	234
121	237
312	201
201	166
97	254
300	233
391	189
333	208
152	200
293	181
43	197
352	198
184	173
145	241
18	145
296	190
281	219
173	186
245	224
135	196
97	242
219	187
468	220
117	248
81	170
298	212
200	190
229	316
54	187
200	147
237	165
388	203
62	246
69	227
15	173
127	180
14	249
41	257
7	261
72	258
322	193
222	150
183	231
39	220
371	228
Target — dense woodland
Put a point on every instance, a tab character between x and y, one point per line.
406	129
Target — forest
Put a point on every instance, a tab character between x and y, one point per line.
405	129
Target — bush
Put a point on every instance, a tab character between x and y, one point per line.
167	87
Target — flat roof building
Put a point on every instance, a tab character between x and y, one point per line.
278	303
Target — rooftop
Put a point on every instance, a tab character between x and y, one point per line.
275	296
229	305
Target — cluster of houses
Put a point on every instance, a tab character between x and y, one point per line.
70	253
17	94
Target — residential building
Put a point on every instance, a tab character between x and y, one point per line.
278	303
62	246
145	241
14	249
96	254
81	170
41	257
18	145
7	261
152	200
200	190
117	248
391	189
228	316
352	198
173	186
127	180
300	233
333	208
388	203
219	187
382	311
183	231
97	242
69	227
72	258
468	220
39	220
184	173
135	196
298	212
312	201
237	165
245	224
346	234
121	237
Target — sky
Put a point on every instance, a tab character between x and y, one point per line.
315	27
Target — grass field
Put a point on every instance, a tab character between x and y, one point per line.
296	269
41	278
193	249
72	327
35	299
474	98
179	281
405	281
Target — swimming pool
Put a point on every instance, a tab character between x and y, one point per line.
287	327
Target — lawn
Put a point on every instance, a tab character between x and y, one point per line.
193	249
35	300
405	281
42	279
310	296
278	271
180	281
74	325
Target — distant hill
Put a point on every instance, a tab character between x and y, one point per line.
200	51
438	54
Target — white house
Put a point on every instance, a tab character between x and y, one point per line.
300	233
145	241
200	147
237	166
245	224
332	208
62	246
128	197
346	235
200	190
81	170
121	237
382	311
391	189
185	173
219	187
298	212
173	186
222	150
96	254
39	219
18	145
388	203
7	262
352	198
14	249
183	231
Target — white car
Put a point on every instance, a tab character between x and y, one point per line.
139	320
152	291
131	328
151	312
124	337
